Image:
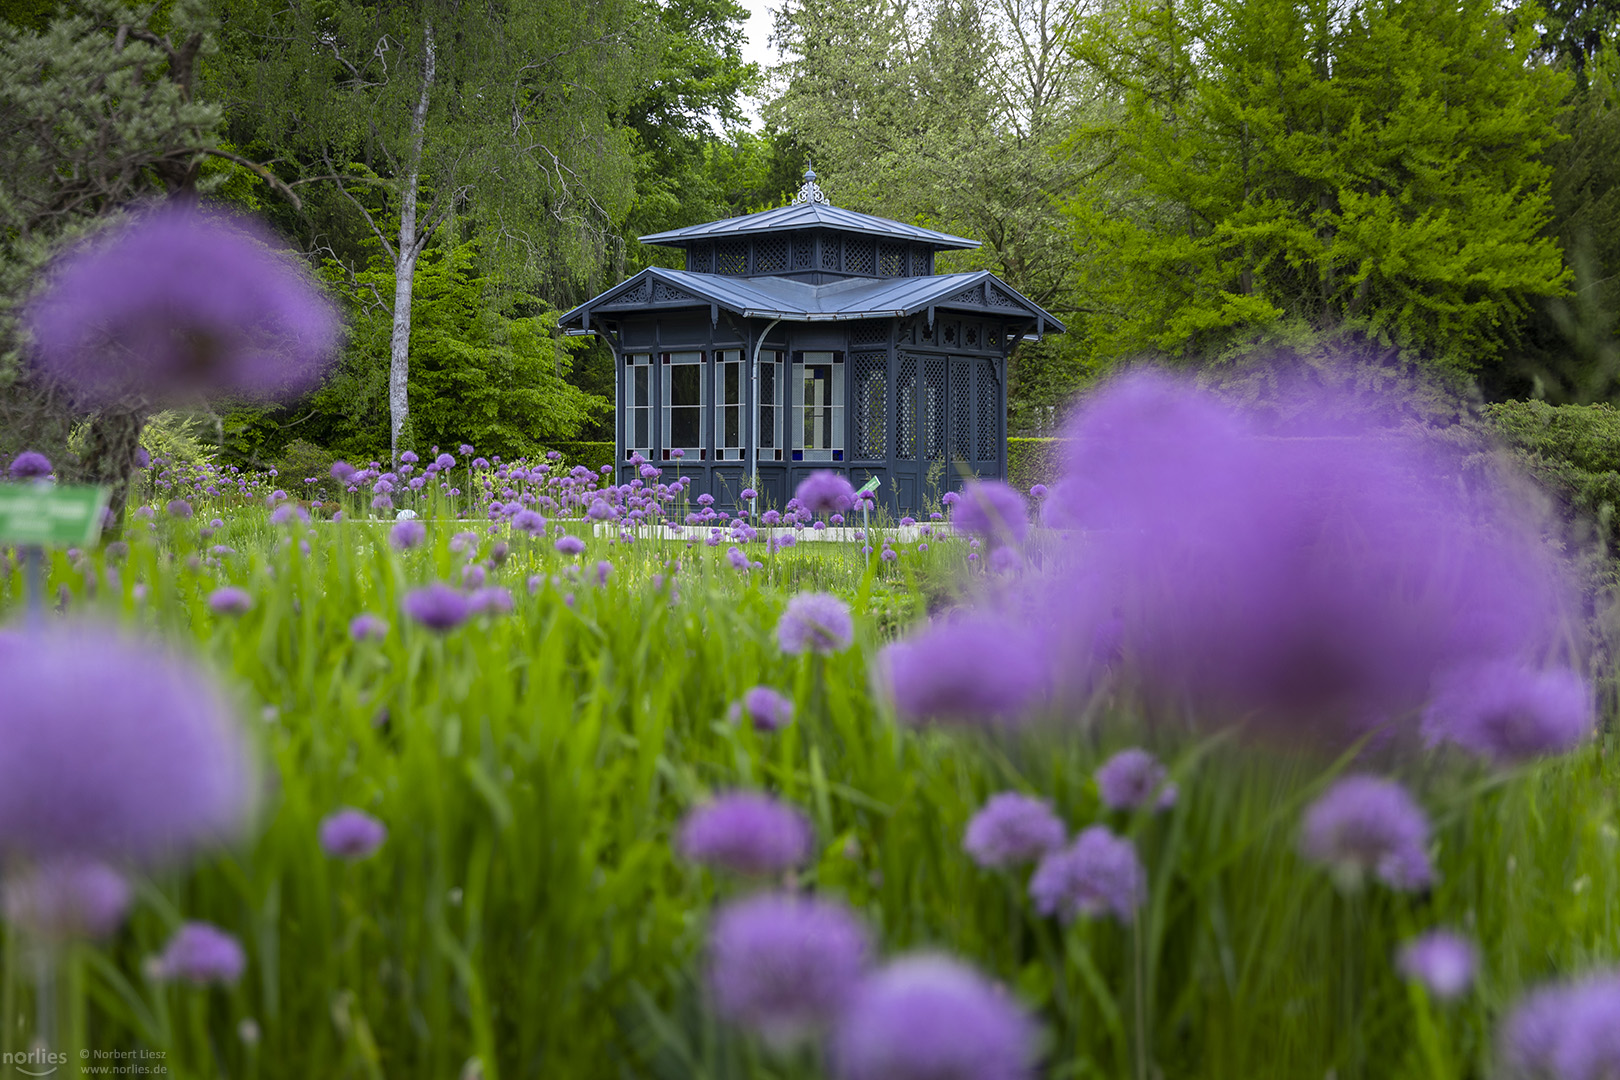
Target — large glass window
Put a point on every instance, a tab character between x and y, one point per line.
683	403
728	396
638	404
770	405
818	404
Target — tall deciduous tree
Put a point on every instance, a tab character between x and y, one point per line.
1373	167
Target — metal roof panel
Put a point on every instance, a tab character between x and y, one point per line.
809	215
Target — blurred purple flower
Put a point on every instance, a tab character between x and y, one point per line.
30	465
825	492
528	521
1441	960
815	622
490	600
1510	713
180	301
367	627
994	511
569	545
973	668
351	834
437	606
1134	778
765	709
745	832
1369	825
785	966
135	756
927	1017
1098	874
179	508
201	953
1565	1031
67	897
1012	828
229	600
473	576
407	534
288	514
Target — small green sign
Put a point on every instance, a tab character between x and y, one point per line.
870	485
50	515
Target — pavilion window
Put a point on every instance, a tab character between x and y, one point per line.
728	382
818	406
683	403
638	404
770	405
870	372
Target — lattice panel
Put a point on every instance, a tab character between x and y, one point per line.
950	333
992	338
891	260
665	294
927	333
770	254
804	251
922	262
933	408
829	252
987	401
871	374
905	410
731	257
700	258
1000	299
961	410
858	256
974	296
970	335
869	332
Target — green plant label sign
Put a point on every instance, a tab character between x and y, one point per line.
51	515
870	485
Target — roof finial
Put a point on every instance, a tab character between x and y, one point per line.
811	192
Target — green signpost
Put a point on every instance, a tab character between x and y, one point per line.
48	515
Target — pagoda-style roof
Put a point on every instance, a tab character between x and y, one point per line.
809	215
657	288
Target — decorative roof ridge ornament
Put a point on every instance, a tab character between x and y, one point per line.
811	191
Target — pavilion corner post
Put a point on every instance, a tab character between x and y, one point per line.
753	427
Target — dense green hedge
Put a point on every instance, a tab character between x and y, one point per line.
1573	450
1033	461
592	455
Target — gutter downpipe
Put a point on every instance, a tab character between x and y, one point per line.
753	426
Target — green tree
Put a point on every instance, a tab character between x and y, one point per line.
1364	169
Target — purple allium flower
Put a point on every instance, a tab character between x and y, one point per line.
444	461
737	558
1012	828
409	457
382	503
367	627
473	576
994	511
1566	1031
351	834
288	513
604	570
201	953
825	492
1441	960
490	600
179	508
677	454
134	756
765	709
437	606
977	667
815	622
343	472
785	966
30	465
67	897
229	600
407	534
1508	712
1038	491
1098	874
745	832
748	494
1133	778
569	545
179	301
1366	824
927	1017
528	521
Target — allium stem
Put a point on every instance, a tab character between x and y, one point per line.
34	571
1139	951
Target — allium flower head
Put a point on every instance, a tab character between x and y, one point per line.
179	508
815	622
407	534
766	709
351	834
229	600
926	1017
67	897
490	600
132	757
177	302
1098	874
1133	778
201	953
438	606
784	966
825	492
569	545
1510	713
1441	960
528	521
368	627
30	465
973	668
1369	825
745	832
1012	828
1565	1031
992	510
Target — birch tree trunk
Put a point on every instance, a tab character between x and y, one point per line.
405	255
